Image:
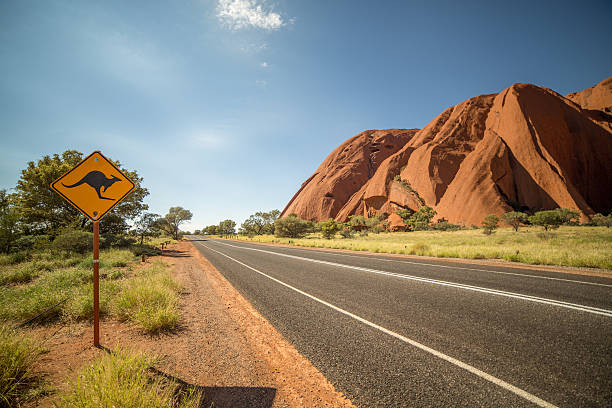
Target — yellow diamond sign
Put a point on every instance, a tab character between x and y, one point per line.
94	186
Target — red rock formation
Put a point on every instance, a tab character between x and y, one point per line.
526	147
598	97
344	171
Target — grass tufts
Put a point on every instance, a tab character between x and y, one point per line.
150	300
17	354
123	379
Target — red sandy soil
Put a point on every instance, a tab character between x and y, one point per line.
225	347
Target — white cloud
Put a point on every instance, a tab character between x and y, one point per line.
261	83
264	64
239	14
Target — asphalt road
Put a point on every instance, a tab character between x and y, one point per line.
399	332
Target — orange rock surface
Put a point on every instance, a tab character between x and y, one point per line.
526	148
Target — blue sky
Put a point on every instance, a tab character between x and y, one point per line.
226	107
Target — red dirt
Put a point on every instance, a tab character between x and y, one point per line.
224	347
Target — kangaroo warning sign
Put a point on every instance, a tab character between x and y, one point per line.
94	186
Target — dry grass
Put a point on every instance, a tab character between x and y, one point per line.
123	379
567	246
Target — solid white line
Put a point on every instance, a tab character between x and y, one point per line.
521	393
450	267
567	305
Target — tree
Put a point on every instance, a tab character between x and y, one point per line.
405	213
260	223
146	225
44	211
357	222
9	222
515	219
550	219
601	220
489	224
421	219
568	216
227	227
329	228
171	221
292	226
212	230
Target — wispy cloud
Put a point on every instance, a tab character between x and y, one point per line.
239	14
261	83
264	64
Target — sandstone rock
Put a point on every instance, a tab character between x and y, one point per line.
345	171
525	148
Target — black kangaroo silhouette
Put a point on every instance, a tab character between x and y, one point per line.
97	180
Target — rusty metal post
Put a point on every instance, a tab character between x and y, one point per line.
96	282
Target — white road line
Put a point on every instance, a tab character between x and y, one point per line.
567	305
521	393
451	267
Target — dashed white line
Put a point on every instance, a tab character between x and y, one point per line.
567	305
488	377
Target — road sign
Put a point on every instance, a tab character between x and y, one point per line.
94	186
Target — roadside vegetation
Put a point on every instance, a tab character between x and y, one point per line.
551	237
124	379
46	278
17	355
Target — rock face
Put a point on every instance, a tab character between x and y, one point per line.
525	148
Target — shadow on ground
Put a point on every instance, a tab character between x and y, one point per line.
226	397
173	253
221	397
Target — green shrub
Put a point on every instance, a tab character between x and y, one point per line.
489	224
514	219
123	379
17	354
292	226
147	250
329	228
74	241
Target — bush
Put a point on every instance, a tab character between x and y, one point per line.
329	228
550	219
147	250
74	241
601	220
292	226
118	241
123	379
27	242
489	224
17	354
348	233
514	219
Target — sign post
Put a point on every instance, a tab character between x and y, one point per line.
96	282
86	187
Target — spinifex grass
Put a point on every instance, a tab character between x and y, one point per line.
17	354
123	379
31	287
567	246
150	300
